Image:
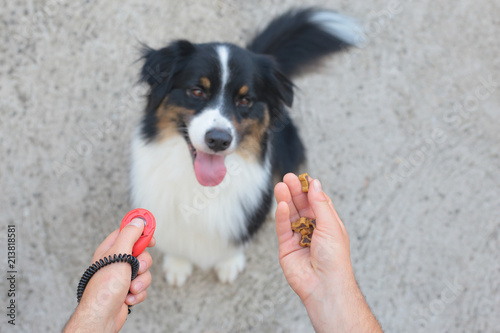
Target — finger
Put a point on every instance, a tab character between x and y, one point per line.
145	262
140	283
287	239
152	242
337	218
129	235
283	226
282	193
105	245
342	226
136	299
299	198
326	217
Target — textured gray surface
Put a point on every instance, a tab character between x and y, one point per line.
404	133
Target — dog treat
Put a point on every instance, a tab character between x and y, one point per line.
305	182
305	241
305	227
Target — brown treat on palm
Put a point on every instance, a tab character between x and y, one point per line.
305	241
305	227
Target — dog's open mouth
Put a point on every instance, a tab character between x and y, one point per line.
209	169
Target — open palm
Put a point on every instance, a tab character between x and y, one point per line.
309	269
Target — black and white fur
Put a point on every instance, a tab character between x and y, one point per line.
219	102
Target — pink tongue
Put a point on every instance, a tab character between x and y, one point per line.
209	169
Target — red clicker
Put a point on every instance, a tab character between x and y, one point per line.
148	232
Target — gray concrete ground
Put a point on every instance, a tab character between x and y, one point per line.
404	133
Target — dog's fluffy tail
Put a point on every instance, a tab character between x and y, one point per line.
301	36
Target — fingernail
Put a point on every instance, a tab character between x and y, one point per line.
131	299
317	186
139	286
138	222
144	266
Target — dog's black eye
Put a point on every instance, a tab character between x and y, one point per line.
244	101
198	92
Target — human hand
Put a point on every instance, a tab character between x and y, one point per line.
321	275
105	301
310	270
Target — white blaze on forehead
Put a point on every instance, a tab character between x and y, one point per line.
212	117
223	53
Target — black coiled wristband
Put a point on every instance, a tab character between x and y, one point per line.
100	264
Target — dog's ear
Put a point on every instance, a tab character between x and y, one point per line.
276	85
161	66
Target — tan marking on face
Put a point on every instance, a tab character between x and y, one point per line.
243	90
169	117
253	131
205	83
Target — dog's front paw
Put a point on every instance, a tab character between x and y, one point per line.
177	270
228	270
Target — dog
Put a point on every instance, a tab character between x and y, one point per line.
215	131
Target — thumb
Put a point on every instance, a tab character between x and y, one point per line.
129	235
322	207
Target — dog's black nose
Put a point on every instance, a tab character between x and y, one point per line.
218	140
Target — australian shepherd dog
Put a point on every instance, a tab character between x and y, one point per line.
216	129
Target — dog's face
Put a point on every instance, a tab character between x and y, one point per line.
221	98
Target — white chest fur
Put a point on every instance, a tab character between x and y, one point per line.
194	222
